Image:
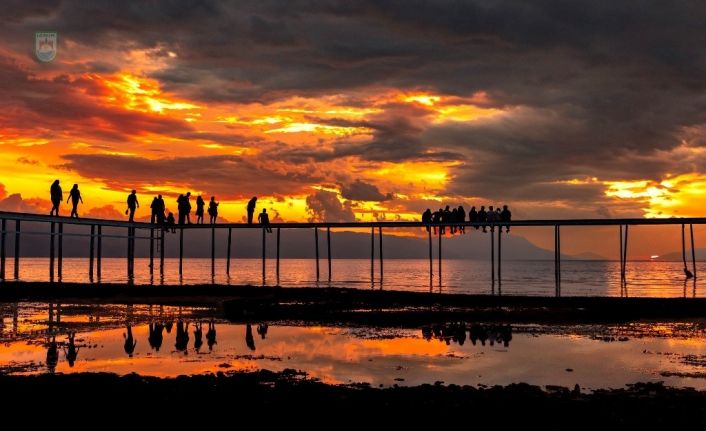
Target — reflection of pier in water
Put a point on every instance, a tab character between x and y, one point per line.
155	236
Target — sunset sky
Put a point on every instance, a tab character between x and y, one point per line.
342	111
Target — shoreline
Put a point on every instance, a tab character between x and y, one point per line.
357	306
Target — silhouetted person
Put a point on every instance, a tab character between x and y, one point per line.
492	217
262	330
251	208
211	334
156	336
213	209
182	337
52	354
57	196
473	216
71	351
161	207
483	217
168	327
426	218
453	218
170	222
445	219
264	219
198	337
249	341
506	334
154	210
436	218
75	198
130	342
506	215
199	209
461	218
184	207
132	205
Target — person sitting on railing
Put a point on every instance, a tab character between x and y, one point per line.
461	218
57	196
506	215
264	219
473	216
483	217
453	218
436	218
170	222
491	216
74	197
426	218
213	210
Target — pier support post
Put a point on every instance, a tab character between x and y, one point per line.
161	252
213	253
99	254
17	250
181	251
277	266
622	264
2	249
316	243
431	260
328	251
51	252
693	250
500	259
492	257
625	256
372	255
557	260
90	252
151	251
381	268
264	251
60	260
230	233
439	257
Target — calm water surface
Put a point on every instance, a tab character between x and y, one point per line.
166	341
657	279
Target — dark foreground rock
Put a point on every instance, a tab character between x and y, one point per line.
289	397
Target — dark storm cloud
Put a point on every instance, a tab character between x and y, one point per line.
362	191
225	176
602	89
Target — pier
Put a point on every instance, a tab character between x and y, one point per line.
14	225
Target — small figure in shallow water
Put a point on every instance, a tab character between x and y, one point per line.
262	330
249	340
71	351
198	337
130	342
211	334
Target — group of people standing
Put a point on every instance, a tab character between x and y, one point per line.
184	209
458	215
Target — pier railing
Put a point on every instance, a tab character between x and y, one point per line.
154	234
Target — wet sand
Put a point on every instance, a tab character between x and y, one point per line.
241	397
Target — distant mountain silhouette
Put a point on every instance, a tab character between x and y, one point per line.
586	256
295	243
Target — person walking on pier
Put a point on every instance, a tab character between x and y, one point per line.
251	208
199	209
57	196
75	198
264	219
132	205
213	210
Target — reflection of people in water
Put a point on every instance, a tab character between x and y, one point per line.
248	337
211	334
456	332
71	351
52	354
262	330
130	342
198	337
155	337
182	337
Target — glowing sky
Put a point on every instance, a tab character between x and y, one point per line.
358	110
